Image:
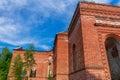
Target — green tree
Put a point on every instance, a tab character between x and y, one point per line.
17	68
5	59
29	58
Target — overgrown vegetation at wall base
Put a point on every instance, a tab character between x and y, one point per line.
22	70
5	59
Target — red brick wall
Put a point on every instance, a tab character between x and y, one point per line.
75	38
61	55
97	22
10	77
42	61
92	52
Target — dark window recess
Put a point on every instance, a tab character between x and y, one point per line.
74	58
33	73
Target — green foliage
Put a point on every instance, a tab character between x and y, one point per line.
50	77
29	58
17	67
5	59
6	54
24	72
20	68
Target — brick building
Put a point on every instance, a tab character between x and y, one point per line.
89	50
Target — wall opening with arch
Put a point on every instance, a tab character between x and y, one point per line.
112	46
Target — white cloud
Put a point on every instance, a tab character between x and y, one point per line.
45	47
16	33
118	4
7	27
11	4
19	2
100	1
53	5
19	42
58	6
11	32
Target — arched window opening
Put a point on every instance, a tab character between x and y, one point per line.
74	58
113	54
33	71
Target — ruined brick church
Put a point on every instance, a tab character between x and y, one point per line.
89	50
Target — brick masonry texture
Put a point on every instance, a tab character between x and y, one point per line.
79	53
42	62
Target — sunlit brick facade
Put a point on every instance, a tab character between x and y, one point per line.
87	51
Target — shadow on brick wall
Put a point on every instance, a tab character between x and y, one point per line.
90	76
84	75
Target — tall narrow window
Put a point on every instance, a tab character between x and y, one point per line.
74	58
33	72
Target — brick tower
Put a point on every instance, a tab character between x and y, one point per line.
94	42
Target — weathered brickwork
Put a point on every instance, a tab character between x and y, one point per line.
81	53
90	27
42	63
61	57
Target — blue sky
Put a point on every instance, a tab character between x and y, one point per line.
36	21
